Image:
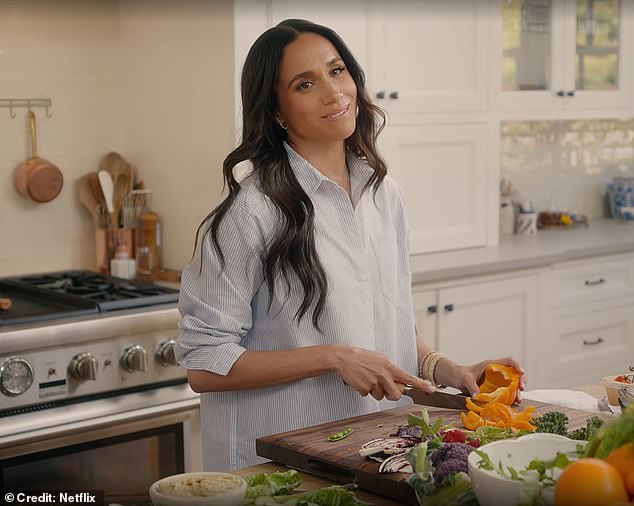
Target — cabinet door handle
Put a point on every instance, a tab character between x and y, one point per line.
449	308
571	93
561	93
432	309
598	340
380	95
394	94
599	281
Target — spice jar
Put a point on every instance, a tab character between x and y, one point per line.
148	251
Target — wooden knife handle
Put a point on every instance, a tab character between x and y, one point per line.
5	304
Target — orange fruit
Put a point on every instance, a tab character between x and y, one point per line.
623	459
590	482
629	483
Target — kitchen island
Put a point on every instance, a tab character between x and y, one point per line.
311	482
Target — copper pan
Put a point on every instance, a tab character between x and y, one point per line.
36	178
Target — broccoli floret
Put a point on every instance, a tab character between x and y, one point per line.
450	458
553	422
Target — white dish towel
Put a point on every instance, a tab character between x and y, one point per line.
568	398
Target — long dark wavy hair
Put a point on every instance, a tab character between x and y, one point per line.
292	249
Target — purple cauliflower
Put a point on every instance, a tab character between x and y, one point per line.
450	458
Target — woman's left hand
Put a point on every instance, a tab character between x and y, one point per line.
468	377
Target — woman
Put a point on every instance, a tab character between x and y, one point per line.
297	304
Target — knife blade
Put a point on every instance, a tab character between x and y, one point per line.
436	399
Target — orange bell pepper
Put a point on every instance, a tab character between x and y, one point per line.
496	376
492	405
471	420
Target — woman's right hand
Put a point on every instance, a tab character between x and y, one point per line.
370	372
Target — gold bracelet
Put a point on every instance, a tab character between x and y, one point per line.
428	365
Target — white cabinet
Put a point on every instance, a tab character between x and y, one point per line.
478	320
430	56
587	330
419	57
559	56
583	347
351	19
443	171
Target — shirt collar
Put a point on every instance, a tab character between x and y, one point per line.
310	178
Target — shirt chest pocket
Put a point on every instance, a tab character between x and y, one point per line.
384	255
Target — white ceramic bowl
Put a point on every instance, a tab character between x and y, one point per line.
199	489
492	489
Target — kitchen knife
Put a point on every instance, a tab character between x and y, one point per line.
436	399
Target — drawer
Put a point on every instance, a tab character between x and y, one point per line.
588	345
590	281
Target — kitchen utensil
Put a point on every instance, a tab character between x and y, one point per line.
119	193
626	396
103	218
134	204
87	198
95	186
437	399
36	178
118	166
309	450
105	181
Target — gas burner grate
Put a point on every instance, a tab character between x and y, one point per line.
106	292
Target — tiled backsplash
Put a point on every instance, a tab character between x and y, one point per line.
565	165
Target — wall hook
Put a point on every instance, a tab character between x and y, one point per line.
28	103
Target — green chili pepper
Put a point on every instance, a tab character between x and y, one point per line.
340	435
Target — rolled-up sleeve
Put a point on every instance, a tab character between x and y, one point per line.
215	299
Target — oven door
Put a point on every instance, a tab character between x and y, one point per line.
121	454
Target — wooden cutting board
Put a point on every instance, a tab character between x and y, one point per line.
309	450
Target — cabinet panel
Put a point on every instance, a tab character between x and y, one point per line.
425	311
588	63
588	346
350	19
591	282
435	55
482	320
443	172
488	320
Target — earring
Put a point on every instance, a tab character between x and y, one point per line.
283	124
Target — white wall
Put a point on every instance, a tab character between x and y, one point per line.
152	80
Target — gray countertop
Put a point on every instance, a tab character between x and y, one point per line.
602	237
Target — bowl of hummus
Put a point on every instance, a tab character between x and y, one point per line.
200	488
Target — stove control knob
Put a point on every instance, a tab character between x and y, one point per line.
165	353
83	367
16	376
134	359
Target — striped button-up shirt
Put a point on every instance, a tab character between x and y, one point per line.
363	247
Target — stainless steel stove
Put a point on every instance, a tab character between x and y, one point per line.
87	366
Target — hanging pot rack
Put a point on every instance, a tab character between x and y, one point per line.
28	103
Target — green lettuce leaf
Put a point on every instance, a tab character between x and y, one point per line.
271	484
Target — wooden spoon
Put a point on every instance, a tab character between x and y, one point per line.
95	186
107	189
87	198
118	166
